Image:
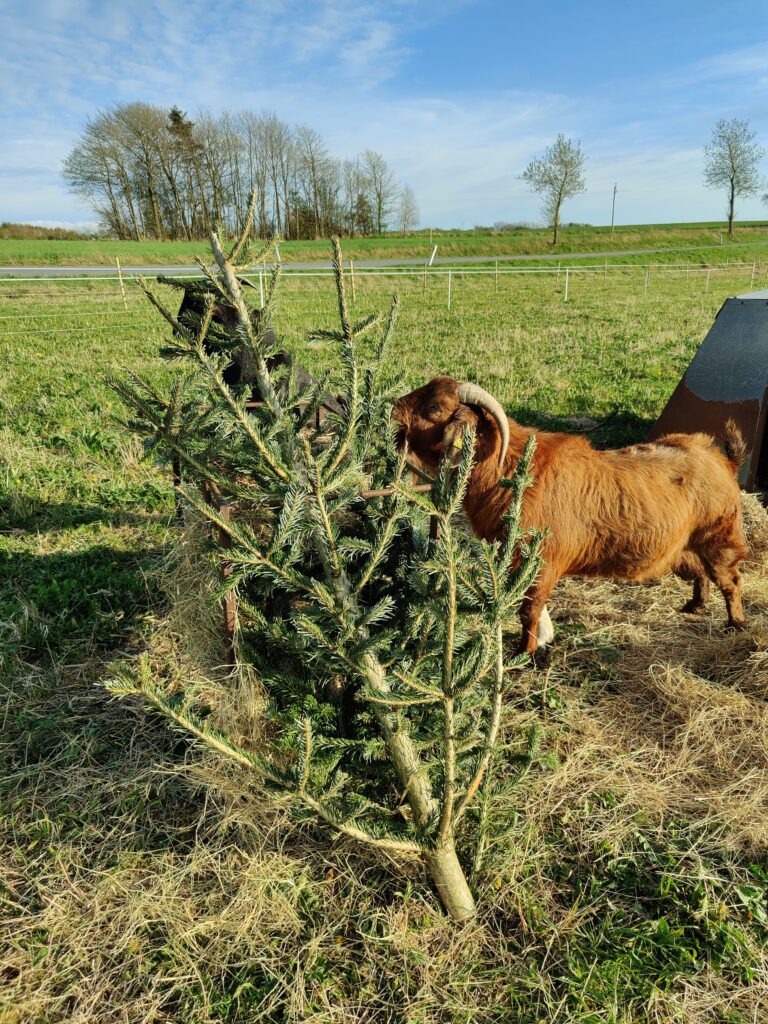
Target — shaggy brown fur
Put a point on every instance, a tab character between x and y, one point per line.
634	514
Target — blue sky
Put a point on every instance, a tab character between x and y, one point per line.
458	95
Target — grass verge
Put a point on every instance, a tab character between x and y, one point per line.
145	881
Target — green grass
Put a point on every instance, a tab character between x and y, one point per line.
130	893
523	241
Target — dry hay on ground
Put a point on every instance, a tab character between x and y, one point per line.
173	893
668	712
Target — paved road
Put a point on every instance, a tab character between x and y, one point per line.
180	271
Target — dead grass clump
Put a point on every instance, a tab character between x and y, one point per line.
756	524
667	712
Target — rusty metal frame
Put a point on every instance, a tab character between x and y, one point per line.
727	379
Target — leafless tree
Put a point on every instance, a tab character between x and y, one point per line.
730	161
407	210
151	172
557	175
381	187
311	159
353	186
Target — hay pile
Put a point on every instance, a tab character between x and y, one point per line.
201	902
667	711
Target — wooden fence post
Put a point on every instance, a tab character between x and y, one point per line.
122	286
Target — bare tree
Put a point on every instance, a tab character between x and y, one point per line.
279	144
408	210
250	127
97	169
381	187
311	157
730	161
557	175
353	186
150	172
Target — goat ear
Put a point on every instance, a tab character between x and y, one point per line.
452	443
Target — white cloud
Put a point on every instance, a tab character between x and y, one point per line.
335	64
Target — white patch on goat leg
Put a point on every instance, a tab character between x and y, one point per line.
545	632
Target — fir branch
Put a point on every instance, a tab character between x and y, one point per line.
232	289
126	684
236	249
491	733
239	413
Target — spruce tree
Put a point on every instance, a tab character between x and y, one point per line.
336	592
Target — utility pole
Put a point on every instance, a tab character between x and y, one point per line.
613	207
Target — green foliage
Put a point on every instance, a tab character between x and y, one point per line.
521	240
339	591
118	892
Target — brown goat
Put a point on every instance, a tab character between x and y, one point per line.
634	513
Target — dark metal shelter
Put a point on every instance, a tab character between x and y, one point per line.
728	379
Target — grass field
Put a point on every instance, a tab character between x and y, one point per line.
524	241
143	882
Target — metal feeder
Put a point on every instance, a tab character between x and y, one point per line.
728	379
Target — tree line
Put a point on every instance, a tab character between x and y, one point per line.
153	173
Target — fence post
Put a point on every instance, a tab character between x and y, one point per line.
261	287
647	275
566	281
352	278
752	279
449	289
707	287
605	273
424	290
497	277
122	286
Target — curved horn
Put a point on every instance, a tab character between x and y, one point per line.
473	394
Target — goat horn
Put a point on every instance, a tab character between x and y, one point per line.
473	394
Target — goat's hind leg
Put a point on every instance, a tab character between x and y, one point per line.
692	568
723	570
728	581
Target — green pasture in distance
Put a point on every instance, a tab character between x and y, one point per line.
128	885
417	245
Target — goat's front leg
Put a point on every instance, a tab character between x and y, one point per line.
545	631
534	617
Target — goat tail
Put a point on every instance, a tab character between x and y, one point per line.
734	444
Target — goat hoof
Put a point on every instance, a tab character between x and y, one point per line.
736	626
541	657
692	607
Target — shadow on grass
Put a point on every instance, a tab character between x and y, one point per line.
28	512
620	427
72	758
64	606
